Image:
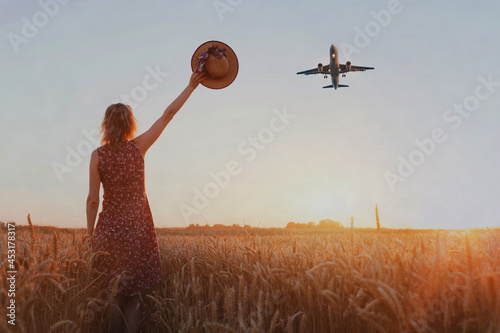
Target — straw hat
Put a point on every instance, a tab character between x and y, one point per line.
219	61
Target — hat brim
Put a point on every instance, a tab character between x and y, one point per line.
220	82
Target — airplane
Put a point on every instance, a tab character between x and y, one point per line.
334	69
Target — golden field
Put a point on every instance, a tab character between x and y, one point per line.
269	280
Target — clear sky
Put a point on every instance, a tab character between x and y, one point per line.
418	135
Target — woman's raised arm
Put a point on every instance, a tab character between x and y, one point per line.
146	140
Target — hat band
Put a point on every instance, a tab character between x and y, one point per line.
213	50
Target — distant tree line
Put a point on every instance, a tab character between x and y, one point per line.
218	226
323	224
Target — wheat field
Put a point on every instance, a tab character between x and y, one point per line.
269	280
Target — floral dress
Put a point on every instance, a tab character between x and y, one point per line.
125	228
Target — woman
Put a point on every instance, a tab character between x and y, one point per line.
125	227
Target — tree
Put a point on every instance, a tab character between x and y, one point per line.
330	224
311	225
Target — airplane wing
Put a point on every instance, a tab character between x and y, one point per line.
346	68
326	70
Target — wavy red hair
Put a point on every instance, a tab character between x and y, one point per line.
118	126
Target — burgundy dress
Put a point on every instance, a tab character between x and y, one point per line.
125	227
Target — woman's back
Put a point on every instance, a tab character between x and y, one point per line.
125	227
122	177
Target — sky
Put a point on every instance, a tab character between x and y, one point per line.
418	136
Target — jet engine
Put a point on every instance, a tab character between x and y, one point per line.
348	65
320	67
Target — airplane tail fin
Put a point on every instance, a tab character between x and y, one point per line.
330	86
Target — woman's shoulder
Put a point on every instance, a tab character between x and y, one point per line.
96	153
134	143
94	156
101	149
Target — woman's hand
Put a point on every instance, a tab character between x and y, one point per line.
196	78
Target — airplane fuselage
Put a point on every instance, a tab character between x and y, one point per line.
334	69
334	65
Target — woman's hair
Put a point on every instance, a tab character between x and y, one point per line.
119	125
